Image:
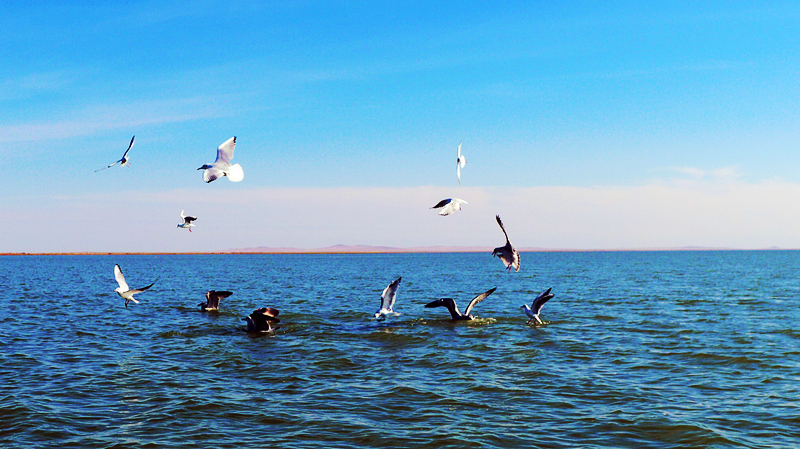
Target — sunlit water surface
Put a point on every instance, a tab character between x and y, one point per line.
639	349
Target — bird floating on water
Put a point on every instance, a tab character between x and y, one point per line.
449	205
460	163
536	306
222	166
507	253
452	307
124	158
187	222
260	319
123	290
388	298
212	300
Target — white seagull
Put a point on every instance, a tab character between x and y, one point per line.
222	166
388	298
187	222
507	253
533	310
124	159
460	163
123	290
449	205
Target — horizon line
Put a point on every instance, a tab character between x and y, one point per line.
369	249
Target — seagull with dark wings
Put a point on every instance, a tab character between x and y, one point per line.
507	253
187	221
452	307
212	300
260	319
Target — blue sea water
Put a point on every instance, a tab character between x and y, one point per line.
639	350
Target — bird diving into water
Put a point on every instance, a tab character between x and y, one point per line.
124	158
123	290
212	300
507	253
460	163
536	306
222	166
452	307
260	319
449	205
187	221
388	298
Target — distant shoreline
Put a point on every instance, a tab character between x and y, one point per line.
342	249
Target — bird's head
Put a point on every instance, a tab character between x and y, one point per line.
204	167
118	289
436	303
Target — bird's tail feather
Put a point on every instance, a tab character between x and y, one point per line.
235	173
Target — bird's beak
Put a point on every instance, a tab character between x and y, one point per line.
201	168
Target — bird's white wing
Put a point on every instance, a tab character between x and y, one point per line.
225	151
458	172
183	216
389	295
129	147
452	206
109	166
120	278
478	299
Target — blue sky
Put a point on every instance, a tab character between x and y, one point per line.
611	124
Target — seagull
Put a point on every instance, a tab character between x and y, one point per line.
533	310
460	163
450	303
187	222
124	159
123	290
507	253
212	300
388	298
259	320
450	205
222	166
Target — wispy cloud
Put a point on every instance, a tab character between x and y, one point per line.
97	118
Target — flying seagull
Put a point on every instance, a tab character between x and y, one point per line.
123	290
533	310
259	320
460	163
212	300
451	306
449	205
507	253
388	298
187	222
124	159
222	166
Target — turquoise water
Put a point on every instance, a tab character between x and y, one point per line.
640	349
